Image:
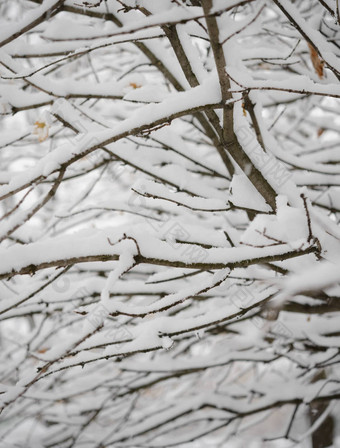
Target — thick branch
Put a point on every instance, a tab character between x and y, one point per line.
230	140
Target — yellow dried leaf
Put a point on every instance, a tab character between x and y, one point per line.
41	130
134	85
39	124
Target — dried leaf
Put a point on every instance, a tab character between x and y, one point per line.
320	131
134	85
39	124
316	61
41	130
43	350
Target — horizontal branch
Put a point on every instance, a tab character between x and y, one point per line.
31	269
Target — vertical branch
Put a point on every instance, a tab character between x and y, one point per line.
175	42
214	132
229	137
